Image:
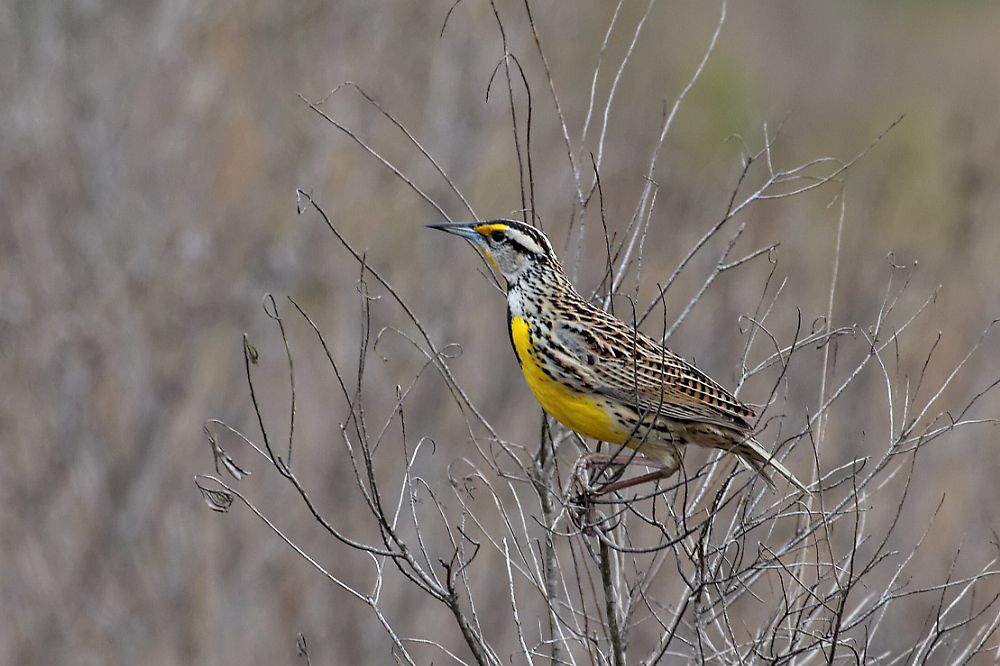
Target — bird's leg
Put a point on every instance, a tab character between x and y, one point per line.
601	461
661	473
579	492
590	461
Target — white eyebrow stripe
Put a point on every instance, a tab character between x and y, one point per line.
526	241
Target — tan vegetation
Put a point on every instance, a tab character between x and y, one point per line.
152	157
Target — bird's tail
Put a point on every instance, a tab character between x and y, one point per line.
753	455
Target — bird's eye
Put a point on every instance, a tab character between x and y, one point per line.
497	236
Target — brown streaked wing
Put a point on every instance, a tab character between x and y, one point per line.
662	381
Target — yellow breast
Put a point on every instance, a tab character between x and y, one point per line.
583	413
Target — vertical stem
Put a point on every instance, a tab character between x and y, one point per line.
827	371
617	647
545	463
550	592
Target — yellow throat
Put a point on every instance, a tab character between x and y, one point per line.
587	415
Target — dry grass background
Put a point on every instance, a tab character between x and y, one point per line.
149	160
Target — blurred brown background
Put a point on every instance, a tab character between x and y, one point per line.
149	157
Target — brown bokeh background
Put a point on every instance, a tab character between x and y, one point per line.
149	159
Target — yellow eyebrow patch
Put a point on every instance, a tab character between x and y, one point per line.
487	229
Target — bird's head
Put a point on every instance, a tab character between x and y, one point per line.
514	248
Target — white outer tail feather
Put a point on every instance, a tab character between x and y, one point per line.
757	458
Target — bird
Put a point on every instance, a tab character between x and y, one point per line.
601	377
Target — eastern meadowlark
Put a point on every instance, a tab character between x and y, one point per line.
601	377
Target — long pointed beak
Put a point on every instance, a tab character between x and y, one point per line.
466	230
